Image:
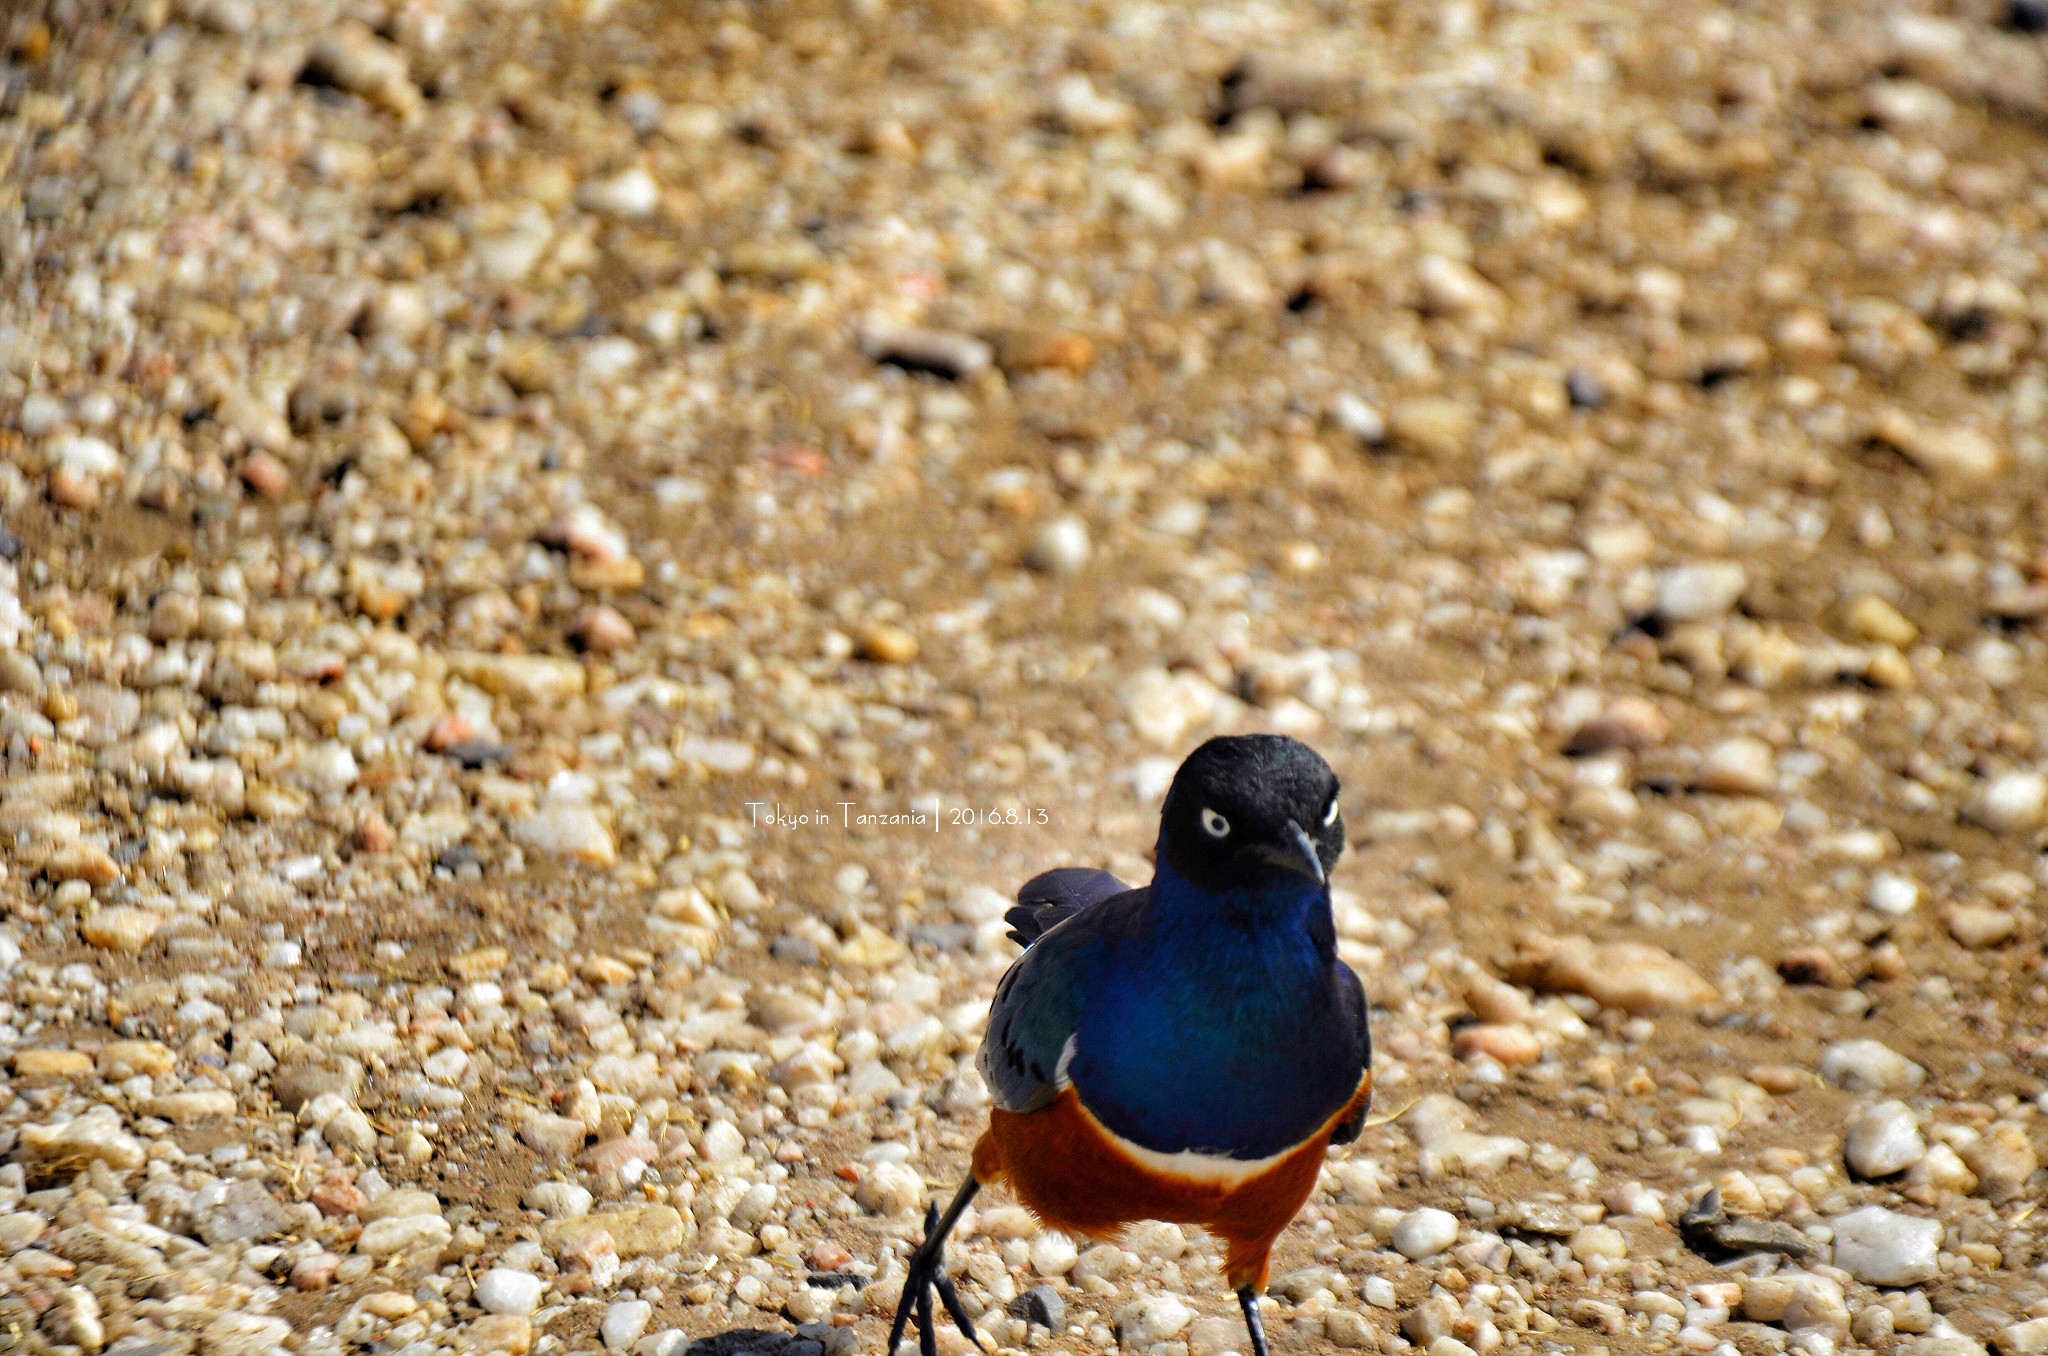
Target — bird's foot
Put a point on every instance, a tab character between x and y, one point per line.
927	1276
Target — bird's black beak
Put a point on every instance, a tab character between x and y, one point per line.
1307	845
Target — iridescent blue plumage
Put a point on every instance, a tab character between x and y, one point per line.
1199	1021
1225	1023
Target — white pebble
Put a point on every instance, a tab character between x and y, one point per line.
1892	894
501	1290
1060	547
1425	1233
1883	1139
1358	417
1882	1247
723	1142
1157	1319
632	193
624	1322
1870	1066
2012	802
1053	1254
889	1189
1699	592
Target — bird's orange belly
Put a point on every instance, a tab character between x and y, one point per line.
1078	1178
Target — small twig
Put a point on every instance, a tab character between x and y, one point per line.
1375	1122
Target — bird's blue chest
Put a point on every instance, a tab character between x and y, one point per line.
1220	1027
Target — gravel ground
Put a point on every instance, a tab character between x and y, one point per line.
559	558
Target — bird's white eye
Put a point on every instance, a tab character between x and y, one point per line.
1215	825
1330	815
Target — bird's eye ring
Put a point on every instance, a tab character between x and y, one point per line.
1215	825
1330	815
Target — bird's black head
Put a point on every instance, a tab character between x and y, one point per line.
1247	809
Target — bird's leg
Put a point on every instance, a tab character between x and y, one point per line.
927	1274
1248	1299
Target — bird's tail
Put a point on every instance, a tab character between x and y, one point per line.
1052	897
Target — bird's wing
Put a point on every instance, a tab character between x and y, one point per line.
1038	1005
1356	1008
1052	897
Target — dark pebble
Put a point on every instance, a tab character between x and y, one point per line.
2029	16
794	950
1042	1307
1585	389
943	936
806	1341
10	545
1709	1230
476	753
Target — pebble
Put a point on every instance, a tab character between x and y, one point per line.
1978	926
508	1333
1702	591
1424	1233
265	475
556	1137
315	1272
1441	1127
1510	1046
1599	1243
640	1231
1053	1254
1041	1305
1059	547
1631	724
1948	453
1635	977
1434	426
560	1200
886	644
74	1319
1883	1139
1892	894
403	1236
1868	1065
1360	418
52	1064
1803	1302
350	57
1882	1247
1148	1321
603	629
942	353
630	194
889	1189
502	1290
93	1137
1871	618
2011	802
2003	1160
1739	767
532	680
624	1322
567	829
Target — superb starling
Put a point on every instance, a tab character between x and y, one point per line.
1185	1051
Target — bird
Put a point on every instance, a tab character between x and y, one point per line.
1183	1051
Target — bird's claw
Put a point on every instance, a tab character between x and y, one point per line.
926	1276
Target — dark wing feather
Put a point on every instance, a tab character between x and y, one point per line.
1038	1005
1052	897
1356	1007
